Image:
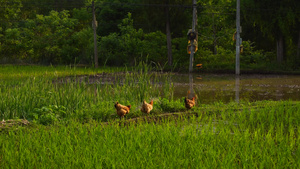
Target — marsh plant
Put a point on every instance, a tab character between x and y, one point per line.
71	91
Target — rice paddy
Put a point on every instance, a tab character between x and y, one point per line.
74	124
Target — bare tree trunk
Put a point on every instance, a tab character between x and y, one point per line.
168	32
214	36
215	40
280	49
215	47
298	48
95	35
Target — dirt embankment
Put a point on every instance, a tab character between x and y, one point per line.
13	124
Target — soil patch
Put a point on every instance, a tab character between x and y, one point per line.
13	124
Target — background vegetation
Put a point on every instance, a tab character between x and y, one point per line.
129	31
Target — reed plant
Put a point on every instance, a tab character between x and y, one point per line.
36	92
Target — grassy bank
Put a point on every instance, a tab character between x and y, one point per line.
48	95
19	72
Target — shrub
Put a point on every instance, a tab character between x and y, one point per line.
48	114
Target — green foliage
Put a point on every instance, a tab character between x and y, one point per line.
166	105
109	50
271	21
269	16
48	114
83	16
224	60
250	56
83	46
154	46
9	11
49	39
153	18
131	46
33	7
110	14
46	32
130	39
216	28
181	58
12	42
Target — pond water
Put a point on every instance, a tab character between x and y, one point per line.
209	88
215	87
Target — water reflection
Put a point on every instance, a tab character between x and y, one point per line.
191	92
210	88
237	89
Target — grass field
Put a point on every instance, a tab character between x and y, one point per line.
74	125
49	95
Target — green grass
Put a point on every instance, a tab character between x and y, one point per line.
17	73
47	98
263	136
68	129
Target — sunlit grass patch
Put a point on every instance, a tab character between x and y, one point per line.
205	141
19	72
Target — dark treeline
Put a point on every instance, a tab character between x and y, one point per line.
129	31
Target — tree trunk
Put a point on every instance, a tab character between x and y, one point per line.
214	36
280	49
298	48
215	47
95	35
215	41
168	32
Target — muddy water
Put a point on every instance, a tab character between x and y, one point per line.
211	87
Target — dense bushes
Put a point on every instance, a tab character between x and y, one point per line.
130	46
56	39
67	38
61	39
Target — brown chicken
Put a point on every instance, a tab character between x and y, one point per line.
189	103
122	110
147	107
